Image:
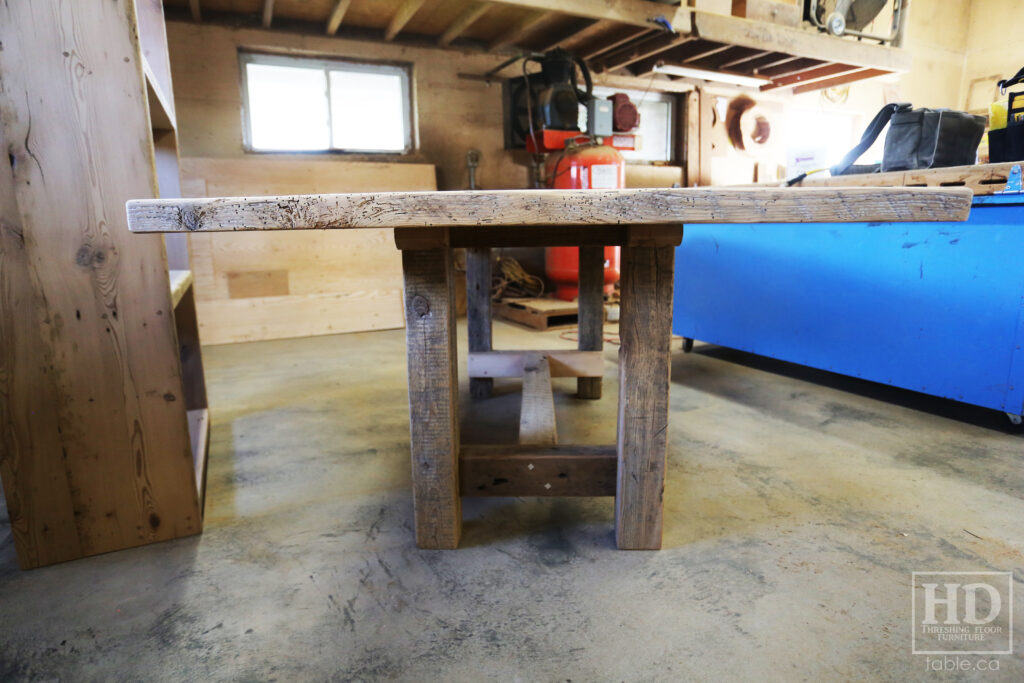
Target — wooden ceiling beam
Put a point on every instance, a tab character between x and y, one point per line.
466	18
617	37
633	12
197	14
402	16
798	65
694	49
859	75
809	76
579	37
583	27
520	29
796	41
268	13
759	55
337	16
637	50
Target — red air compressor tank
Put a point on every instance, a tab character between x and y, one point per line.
582	167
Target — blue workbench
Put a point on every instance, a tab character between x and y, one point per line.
933	307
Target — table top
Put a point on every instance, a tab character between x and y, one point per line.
542	208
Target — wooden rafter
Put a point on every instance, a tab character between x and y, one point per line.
595	28
611	40
798	65
197	14
754	65
637	50
402	17
580	27
742	62
858	75
679	54
634	12
809	76
466	18
520	29
337	16
796	41
268	13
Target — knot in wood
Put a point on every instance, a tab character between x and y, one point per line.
420	306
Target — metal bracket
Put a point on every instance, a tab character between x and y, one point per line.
1013	184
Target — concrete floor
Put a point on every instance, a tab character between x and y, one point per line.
797	504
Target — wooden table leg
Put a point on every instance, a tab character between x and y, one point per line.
433	395
478	312
645	329
591	313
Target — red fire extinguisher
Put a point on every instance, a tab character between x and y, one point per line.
582	166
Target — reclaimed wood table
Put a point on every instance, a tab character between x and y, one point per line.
647	224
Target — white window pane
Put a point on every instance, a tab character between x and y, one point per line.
368	111
287	107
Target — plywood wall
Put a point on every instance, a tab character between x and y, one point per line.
274	285
453	114
994	51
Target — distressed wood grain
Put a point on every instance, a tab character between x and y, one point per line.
96	453
545	208
537	415
645	331
433	396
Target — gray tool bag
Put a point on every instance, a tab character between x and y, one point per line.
917	138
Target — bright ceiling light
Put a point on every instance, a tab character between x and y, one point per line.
732	79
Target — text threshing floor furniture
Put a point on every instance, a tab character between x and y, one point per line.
647	224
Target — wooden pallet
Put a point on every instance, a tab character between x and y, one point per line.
540	314
983	179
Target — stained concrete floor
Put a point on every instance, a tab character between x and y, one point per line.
797	505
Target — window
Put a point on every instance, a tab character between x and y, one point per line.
299	104
656	132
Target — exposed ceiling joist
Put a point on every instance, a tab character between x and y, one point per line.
470	14
268	13
402	17
682	53
337	16
519	30
197	14
795	41
744	60
580	35
809	76
635	12
580	28
858	75
638	50
607	42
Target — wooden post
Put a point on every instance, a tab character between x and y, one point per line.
591	313
478	312
433	395
644	364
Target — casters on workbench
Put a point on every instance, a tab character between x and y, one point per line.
687	345
1015	420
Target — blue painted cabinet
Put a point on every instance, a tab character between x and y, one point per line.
933	307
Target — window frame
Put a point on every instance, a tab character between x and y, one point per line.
674	106
404	70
